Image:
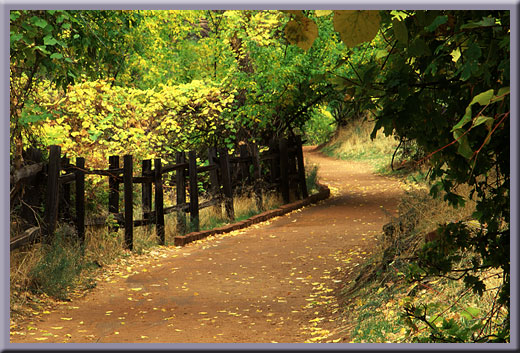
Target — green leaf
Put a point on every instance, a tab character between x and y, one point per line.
483	120
400	31
464	149
39	22
482	98
42	48
439	20
56	56
356	27
504	91
473	52
60	18
15	37
485	22
49	40
13	15
419	48
473	311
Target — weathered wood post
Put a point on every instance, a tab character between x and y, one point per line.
146	190
51	209
64	207
194	191
275	162
244	166
129	201
284	170
213	178
301	167
226	183
180	186
113	186
257	177
80	198
35	194
159	202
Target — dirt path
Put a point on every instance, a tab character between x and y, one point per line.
271	282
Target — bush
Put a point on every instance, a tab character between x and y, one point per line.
319	128
62	261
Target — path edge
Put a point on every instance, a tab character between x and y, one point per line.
322	194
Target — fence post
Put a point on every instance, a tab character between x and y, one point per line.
113	186
180	185
257	172
194	191
146	190
244	166
301	167
80	198
226	183
129	202
53	173
284	170
213	178
275	162
64	207
159	205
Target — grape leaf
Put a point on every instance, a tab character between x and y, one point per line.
302	32
356	27
400	31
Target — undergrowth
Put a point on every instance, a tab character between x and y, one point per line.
388	305
353	142
386	302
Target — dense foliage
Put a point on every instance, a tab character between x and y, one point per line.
441	79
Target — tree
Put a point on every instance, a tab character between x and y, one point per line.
55	48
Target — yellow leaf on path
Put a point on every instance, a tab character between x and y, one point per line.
136	289
57	327
66	318
41	338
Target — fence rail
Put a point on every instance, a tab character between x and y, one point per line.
281	167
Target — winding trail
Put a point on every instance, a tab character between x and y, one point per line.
258	285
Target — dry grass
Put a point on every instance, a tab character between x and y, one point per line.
354	142
376	301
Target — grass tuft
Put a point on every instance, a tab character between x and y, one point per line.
353	142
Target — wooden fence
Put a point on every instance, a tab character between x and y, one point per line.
280	167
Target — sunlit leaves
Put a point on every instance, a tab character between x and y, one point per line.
355	26
320	13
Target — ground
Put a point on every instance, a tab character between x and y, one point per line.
276	281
